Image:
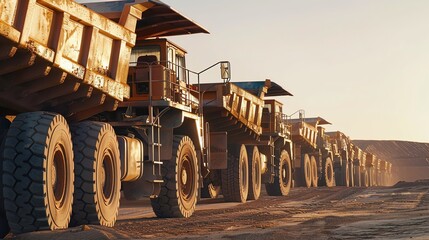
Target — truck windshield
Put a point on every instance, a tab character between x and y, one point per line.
150	50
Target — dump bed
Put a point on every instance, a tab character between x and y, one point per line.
384	165
237	108
359	156
371	160
305	131
304	134
60	56
229	108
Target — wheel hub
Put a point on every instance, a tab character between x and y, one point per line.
54	175
284	173
58	176
184	177
103	176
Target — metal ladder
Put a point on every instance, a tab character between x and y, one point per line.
154	163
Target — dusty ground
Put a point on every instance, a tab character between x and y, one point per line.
399	212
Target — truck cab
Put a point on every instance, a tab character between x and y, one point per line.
158	75
274	121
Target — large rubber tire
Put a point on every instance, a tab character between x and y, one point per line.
283	182
4	226
255	179
314	172
338	180
370	178
38	173
379	178
179	191
235	178
351	173
97	174
306	170
357	176
328	178
342	173
345	175
364	178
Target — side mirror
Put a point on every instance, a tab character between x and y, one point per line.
225	70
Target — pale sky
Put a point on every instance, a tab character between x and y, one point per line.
363	65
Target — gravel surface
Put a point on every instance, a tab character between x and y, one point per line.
398	212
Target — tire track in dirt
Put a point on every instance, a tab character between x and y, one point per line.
315	213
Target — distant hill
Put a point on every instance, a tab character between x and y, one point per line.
410	159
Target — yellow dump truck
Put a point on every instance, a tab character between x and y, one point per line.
250	144
331	159
343	164
84	101
314	155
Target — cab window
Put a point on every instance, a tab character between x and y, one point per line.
150	50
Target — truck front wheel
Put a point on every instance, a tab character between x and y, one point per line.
179	191
97	174
282	183
38	172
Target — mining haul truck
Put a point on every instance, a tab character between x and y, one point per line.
331	159
314	156
89	107
343	163
248	148
355	167
249	143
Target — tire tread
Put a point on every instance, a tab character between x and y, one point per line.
24	160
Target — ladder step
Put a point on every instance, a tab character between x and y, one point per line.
154	162
156	181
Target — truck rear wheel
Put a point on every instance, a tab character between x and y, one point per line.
341	172
351	173
179	191
38	172
357	176
4	226
328	173
370	179
345	175
306	171
97	174
235	179
338	180
364	178
255	179
314	172
283	182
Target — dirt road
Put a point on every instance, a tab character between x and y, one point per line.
397	212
